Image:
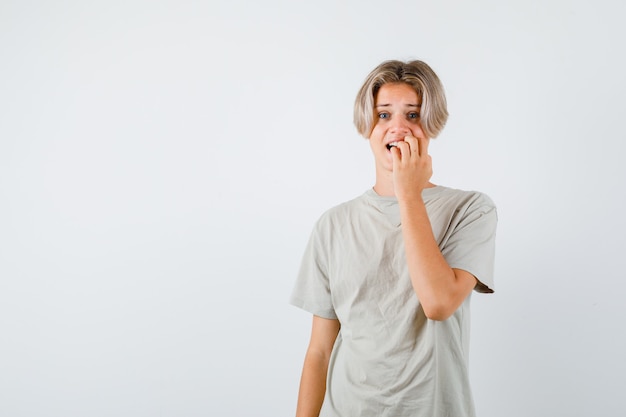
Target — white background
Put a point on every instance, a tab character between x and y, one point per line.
162	164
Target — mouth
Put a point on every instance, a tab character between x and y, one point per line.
392	145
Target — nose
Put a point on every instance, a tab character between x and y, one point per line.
400	126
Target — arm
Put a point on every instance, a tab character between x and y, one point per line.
440	289
315	369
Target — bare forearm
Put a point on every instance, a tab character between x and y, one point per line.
312	385
434	282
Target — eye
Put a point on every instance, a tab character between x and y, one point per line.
413	115
383	115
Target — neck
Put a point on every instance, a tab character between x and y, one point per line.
384	184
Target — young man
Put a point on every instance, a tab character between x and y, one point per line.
388	275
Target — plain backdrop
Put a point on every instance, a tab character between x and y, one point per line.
162	164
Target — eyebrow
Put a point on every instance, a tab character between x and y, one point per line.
408	105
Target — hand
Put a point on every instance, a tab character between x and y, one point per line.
412	167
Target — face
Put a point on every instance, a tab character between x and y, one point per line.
396	115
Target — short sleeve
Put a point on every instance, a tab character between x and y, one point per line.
311	291
471	243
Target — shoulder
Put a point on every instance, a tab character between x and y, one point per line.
468	198
341	212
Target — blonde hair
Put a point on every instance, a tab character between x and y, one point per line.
417	74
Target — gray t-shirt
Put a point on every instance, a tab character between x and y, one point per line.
389	359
